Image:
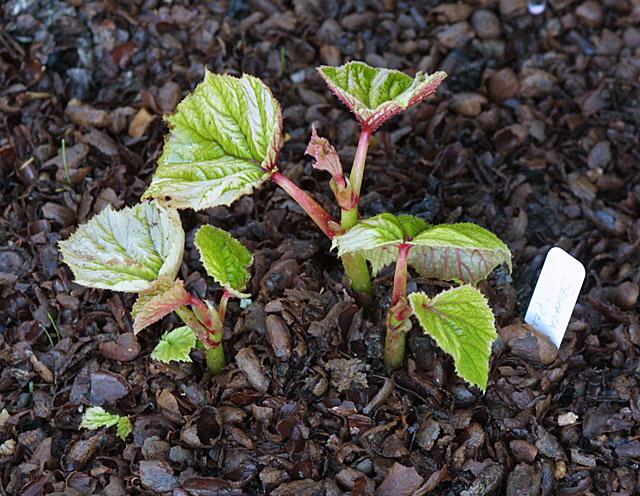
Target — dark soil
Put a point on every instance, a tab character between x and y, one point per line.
533	135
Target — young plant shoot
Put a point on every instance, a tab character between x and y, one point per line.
96	417
139	249
224	141
459	319
226	136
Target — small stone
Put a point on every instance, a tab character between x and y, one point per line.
503	85
590	13
486	24
568	418
453	12
523	451
600	155
456	35
468	104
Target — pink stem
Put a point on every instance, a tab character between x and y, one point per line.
400	275
318	214
222	310
357	169
214	336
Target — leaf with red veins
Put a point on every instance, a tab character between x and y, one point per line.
154	305
376	94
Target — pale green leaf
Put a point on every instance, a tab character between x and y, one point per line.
464	253
378	237
154	305
224	258
97	417
124	428
175	346
376	94
126	250
224	139
463	325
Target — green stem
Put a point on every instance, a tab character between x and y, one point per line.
355	266
215	359
399	312
395	344
206	324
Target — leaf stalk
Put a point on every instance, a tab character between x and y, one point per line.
327	224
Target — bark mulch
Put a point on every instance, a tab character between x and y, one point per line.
534	135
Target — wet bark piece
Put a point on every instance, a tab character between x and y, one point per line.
107	387
529	344
124	349
157	476
523	481
400	481
249	363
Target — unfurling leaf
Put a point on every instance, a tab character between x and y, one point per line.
327	159
175	346
97	417
462	324
126	250
464	252
224	141
225	259
154	305
375	94
325	154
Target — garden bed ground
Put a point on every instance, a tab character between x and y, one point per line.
534	135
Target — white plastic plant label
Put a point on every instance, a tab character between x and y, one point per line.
555	294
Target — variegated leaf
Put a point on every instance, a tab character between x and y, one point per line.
126	250
376	94
224	141
464	253
154	305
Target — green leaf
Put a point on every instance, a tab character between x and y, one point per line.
96	417
126	250
124	428
224	258
378	237
464	253
175	346
463	325
376	94
154	305
224	141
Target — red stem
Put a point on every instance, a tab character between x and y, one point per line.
222	309
400	275
318	214
359	161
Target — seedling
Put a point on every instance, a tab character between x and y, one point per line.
224	142
459	319
97	417
139	249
